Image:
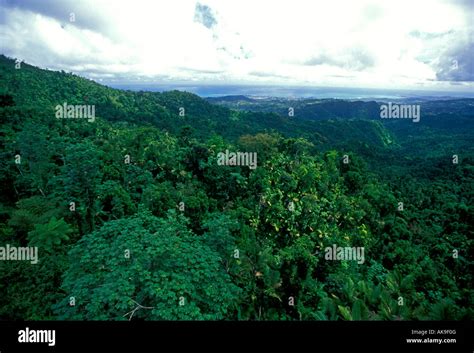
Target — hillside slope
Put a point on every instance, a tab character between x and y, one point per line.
34	87
136	206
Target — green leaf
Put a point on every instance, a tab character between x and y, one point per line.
345	312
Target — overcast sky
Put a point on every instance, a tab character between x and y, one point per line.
348	43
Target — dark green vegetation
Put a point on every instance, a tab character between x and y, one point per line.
162	231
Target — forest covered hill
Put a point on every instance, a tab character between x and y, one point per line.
133	206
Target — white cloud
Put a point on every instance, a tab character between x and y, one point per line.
391	44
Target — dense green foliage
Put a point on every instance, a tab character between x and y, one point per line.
173	235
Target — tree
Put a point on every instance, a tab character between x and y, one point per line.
50	234
148	261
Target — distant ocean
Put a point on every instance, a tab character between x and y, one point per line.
294	92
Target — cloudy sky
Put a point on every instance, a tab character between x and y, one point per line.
341	43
